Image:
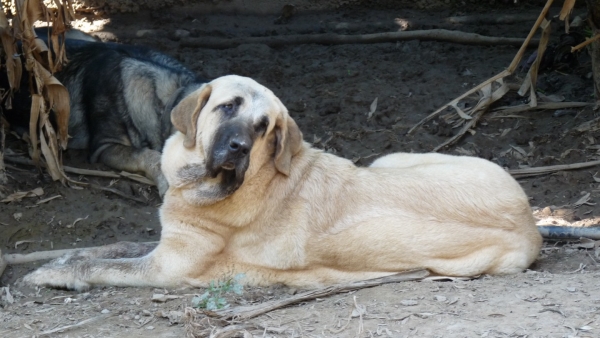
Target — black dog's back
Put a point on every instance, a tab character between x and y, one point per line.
112	86
121	97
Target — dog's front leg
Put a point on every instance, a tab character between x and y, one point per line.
81	275
136	160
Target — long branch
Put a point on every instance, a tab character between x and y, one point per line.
247	312
336	39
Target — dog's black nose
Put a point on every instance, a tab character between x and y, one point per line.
239	145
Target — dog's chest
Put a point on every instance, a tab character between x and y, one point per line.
280	251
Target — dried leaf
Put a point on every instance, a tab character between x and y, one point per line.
72	225
551	98
519	150
52	163
58	98
461	113
9	297
530	81
17	216
37	105
46	200
582	200
13	61
161	298
22	242
19	195
566	9
586	243
372	110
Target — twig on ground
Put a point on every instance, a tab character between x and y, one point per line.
34	256
404	24
336	331
241	313
490	19
585	43
233	330
360	314
336	39
86	172
68	327
3	263
137	178
526	172
540	106
39	255
116	192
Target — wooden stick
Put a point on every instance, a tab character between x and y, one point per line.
241	313
490	19
585	43
526	172
540	106
515	62
87	172
3	263
34	256
137	178
117	192
337	39
40	255
68	327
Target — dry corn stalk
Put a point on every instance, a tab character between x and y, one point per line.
487	93
41	62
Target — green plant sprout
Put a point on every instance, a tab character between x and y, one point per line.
214	296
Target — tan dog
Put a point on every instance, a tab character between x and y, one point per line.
247	195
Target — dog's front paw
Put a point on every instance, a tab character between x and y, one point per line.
56	277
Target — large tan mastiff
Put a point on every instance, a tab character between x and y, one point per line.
247	195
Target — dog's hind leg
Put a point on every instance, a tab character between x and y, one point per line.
132	159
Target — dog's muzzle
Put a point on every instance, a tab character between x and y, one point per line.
230	154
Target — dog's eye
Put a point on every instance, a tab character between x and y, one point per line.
261	126
230	108
227	108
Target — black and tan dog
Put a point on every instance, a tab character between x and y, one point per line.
247	195
121	97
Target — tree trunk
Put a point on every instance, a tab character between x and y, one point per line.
594	20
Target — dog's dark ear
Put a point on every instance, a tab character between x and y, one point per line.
289	142
185	114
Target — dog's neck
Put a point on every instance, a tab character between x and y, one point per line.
265	193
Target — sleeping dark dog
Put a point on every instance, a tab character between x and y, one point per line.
121	99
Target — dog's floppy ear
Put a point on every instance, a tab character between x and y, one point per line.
185	114
289	142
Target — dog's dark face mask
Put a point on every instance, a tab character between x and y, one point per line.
231	128
229	154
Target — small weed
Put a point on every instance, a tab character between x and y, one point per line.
214	297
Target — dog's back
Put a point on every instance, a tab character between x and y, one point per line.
120	94
121	98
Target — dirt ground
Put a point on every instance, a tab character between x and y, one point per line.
329	91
